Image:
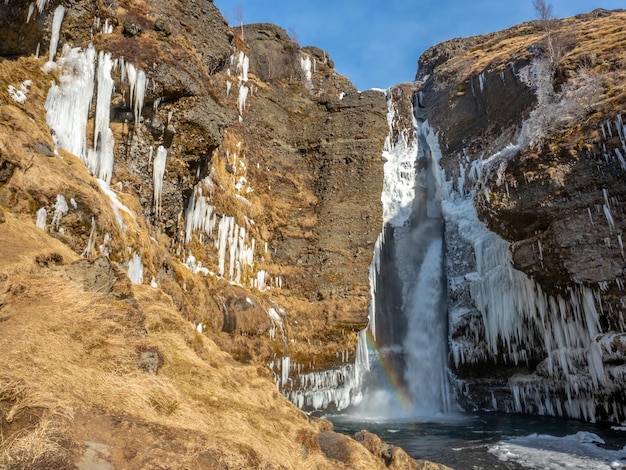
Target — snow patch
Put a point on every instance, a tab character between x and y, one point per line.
578	451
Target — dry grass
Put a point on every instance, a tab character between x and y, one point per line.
78	351
594	41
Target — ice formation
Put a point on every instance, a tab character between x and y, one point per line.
42	215
59	12
243	64
158	170
305	64
398	172
60	209
516	316
135	269
19	95
235	248
91	241
138	84
277	324
100	157
116	205
243	96
336	388
41	4
67	104
581	451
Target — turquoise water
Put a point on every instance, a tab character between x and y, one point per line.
462	440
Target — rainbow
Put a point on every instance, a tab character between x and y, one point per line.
391	381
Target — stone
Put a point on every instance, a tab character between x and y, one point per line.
131	29
149	361
162	26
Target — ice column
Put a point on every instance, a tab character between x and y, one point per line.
67	104
100	158
56	30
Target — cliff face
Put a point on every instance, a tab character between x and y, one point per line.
541	152
233	177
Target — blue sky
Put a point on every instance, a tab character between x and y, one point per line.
376	43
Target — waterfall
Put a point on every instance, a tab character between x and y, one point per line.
425	345
409	361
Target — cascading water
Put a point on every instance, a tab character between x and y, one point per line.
409	372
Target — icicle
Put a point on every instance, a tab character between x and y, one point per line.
56	30
609	217
243	94
158	170
138	84
92	239
620	157
243	64
140	92
41	4
31	10
305	64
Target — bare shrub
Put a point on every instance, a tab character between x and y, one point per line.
556	110
277	63
556	42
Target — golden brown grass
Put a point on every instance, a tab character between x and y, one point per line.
594	41
78	353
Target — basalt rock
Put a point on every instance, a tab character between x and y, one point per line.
557	199
284	150
244	200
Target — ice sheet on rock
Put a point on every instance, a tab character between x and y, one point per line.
42	215
135	269
116	205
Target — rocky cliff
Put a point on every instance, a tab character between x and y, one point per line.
181	205
529	125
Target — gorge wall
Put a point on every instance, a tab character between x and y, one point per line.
536	301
